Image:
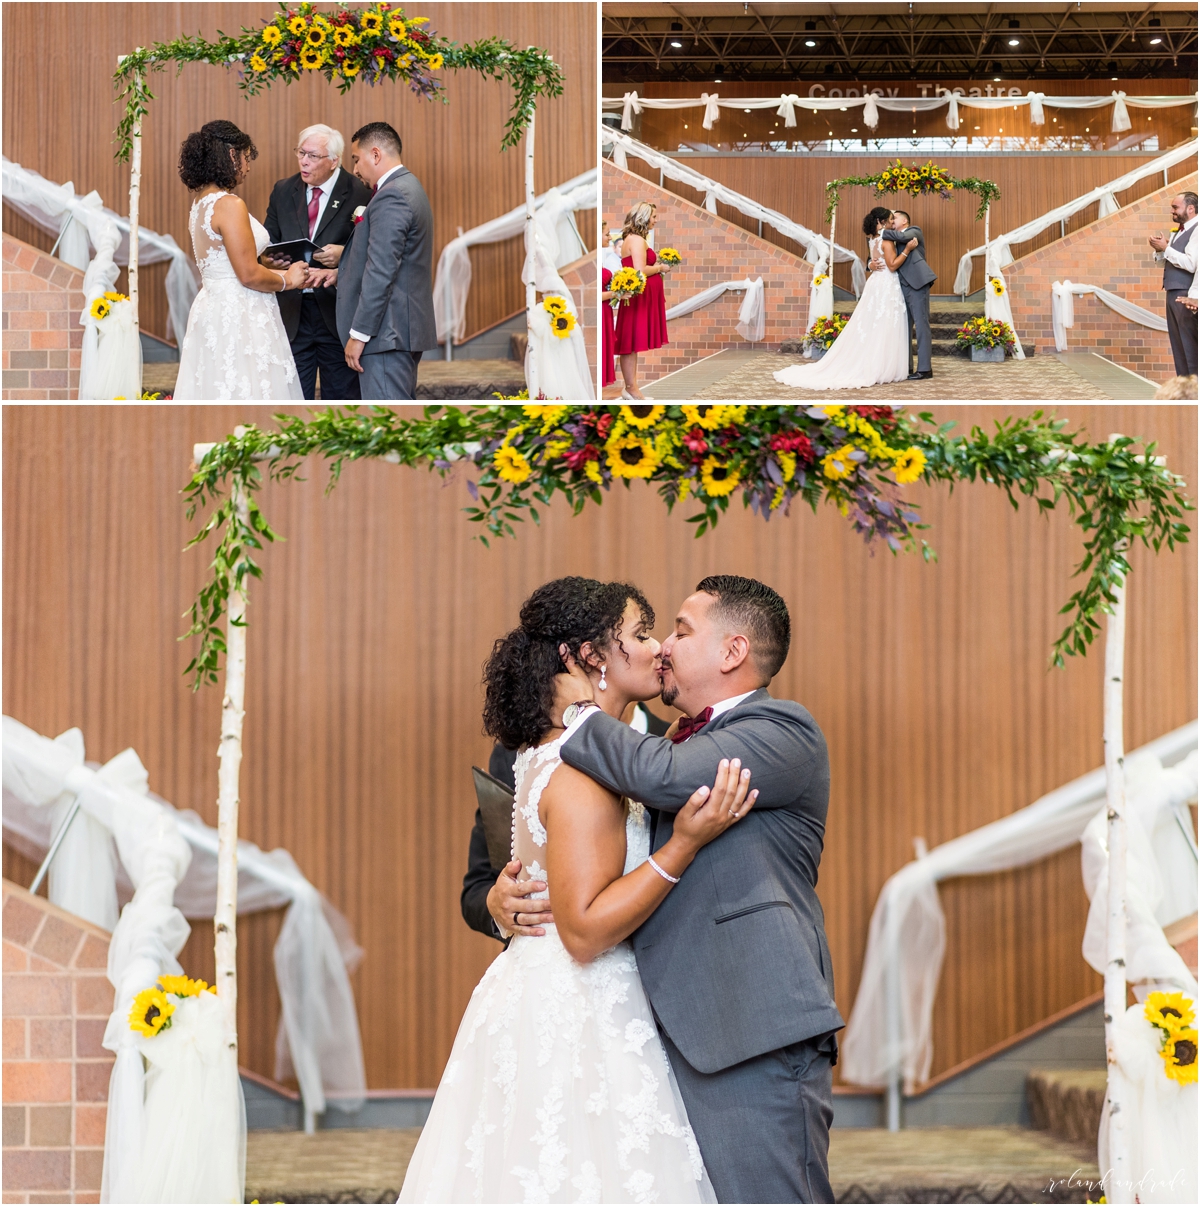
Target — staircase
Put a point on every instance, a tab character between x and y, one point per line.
945	317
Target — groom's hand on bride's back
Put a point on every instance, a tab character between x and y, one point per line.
510	906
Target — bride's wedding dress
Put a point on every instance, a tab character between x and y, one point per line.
235	347
558	1088
873	349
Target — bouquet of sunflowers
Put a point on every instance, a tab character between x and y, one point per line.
669	256
153	1007
626	283
985	333
1174	1015
102	306
916	181
825	330
562	321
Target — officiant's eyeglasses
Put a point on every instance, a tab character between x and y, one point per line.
303	156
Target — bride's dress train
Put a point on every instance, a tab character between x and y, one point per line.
873	349
235	347
558	1088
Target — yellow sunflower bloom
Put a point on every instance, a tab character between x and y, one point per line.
562	324
511	465
297	25
99	308
709	417
1179	1056
397	28
909	465
344	36
554	304
183	986
997	288
257	63
271	35
837	464
316	36
350	70
311	58
642	417
371	23
151	1012
321	20
435	62
116	297
631	456
717	477
549	416
1169	1011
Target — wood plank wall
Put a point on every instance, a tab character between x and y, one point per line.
376	614
63	126
795	185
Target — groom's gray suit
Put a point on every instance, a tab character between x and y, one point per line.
735	961
916	279
385	287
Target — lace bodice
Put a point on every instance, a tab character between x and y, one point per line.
532	771
209	248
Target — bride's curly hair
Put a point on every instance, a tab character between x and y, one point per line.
209	155
519	676
871	221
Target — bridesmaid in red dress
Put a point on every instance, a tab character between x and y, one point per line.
608	372
642	321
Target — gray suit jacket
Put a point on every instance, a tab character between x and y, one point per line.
385	282
734	961
915	272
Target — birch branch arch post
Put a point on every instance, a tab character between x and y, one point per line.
347	46
857	458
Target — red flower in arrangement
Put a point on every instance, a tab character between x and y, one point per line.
695	442
873	414
795	442
578	457
601	423
727	435
419	36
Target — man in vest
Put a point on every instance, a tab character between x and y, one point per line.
1177	253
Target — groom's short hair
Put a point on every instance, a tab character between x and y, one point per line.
757	611
378	134
907	217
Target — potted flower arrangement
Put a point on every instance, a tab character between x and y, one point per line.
818	339
988	338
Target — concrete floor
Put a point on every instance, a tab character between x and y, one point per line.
929	1164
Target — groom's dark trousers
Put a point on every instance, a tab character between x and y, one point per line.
735	961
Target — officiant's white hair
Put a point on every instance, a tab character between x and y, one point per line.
335	144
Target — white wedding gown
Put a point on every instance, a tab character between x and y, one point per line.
235	348
558	1088
873	347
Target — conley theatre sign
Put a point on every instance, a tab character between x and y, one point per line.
894	93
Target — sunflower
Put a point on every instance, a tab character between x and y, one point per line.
837	464
322	21
297	25
435	62
716	476
116	297
642	416
553	304
344	36
350	70
909	465
708	417
562	324
257	63
310	58
511	465
316	36
397	28
630	455
371	23
549	416
182	986
1179	1055
99	308
271	35
1169	1011
151	1012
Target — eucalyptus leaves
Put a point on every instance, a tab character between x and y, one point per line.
1118	491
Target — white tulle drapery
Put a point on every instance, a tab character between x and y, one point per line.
1158	1116
452	280
56	209
786	104
752	319
816	247
561	365
314	954
889	1034
999	252
1062	309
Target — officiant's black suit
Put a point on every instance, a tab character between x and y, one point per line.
310	319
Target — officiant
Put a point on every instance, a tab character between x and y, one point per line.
318	204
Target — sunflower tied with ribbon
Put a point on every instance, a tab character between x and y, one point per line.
1174	1016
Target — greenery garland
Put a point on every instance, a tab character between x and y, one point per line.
926	180
854	457
347	45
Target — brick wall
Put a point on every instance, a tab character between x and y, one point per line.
580	278
41	339
1111	252
713	250
57	999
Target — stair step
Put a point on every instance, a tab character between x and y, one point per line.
1066	1102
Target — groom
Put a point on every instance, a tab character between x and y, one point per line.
734	961
384	280
916	280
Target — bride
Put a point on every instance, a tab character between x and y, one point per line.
873	349
558	1088
235	346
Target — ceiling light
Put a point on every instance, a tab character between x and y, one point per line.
1114	79
1014	41
745	110
677	45
1156	41
995	79
716	81
853	129
685	127
809	42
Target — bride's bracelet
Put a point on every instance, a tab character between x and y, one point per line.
674	879
284	280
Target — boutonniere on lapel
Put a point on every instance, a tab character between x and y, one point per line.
358	214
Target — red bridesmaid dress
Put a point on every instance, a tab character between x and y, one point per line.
642	321
608	372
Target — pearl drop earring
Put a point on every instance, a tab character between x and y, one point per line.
602	684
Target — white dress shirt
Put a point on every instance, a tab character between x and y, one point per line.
1185	259
322	201
378	185
717	709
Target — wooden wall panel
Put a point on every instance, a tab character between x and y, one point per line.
63	127
378	610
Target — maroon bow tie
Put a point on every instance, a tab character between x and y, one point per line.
691	725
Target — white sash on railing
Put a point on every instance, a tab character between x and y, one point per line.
1062	309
